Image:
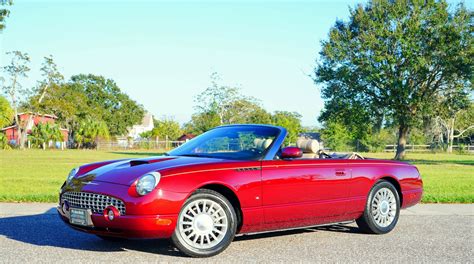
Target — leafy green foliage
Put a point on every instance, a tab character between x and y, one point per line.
4	13
166	128
6	113
4	142
289	120
104	97
335	136
43	133
219	105
393	58
226	105
16	71
146	135
52	77
89	132
68	103
376	142
90	106
202	122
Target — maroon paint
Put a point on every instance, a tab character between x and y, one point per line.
273	194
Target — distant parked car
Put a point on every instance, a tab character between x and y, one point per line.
235	179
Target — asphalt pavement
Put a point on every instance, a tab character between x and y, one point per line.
426	233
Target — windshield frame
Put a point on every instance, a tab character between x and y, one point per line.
268	154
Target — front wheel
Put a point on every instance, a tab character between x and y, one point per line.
382	209
206	224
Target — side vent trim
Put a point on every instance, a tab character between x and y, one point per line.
248	169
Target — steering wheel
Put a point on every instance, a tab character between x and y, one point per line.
323	155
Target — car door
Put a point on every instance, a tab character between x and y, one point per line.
302	192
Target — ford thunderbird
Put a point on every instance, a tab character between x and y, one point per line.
232	180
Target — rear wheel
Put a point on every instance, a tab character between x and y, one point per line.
206	224
382	209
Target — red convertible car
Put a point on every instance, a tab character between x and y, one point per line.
235	179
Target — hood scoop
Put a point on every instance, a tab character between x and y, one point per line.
139	162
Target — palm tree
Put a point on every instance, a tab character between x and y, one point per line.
41	134
89	132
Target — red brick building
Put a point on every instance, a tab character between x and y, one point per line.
186	137
11	131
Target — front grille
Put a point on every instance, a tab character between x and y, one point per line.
96	202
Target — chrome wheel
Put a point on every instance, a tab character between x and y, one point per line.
203	224
384	207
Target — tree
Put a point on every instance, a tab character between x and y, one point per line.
227	103
376	142
4	142
116	109
202	122
353	115
166	128
393	58
335	136
16	70
6	113
68	104
456	119
258	115
289	120
85	98
42	134
89	132
450	110
52	77
4	13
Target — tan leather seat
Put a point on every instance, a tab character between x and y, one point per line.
261	143
309	147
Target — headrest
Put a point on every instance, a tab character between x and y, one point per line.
261	143
307	145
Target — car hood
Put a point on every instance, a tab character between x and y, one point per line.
125	172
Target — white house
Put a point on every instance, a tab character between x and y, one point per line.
146	125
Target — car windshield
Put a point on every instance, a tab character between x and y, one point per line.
230	142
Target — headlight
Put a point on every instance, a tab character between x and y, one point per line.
72	174
148	182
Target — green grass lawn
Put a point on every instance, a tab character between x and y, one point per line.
36	175
447	178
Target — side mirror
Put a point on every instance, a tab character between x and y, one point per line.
291	153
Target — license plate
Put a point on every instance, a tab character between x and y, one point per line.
80	217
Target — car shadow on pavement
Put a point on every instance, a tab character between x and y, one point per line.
332	228
48	230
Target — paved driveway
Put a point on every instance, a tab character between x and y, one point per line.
425	233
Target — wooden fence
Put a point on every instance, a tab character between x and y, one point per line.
426	148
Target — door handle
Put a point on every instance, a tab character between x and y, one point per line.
341	172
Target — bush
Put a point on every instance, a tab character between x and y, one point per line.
376	142
4	142
336	136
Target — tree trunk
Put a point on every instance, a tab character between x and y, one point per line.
18	129
450	136
24	133
402	141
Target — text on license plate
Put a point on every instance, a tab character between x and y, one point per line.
80	217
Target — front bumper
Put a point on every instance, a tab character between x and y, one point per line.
150	216
128	226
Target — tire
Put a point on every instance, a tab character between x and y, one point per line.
382	209
210	230
110	238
